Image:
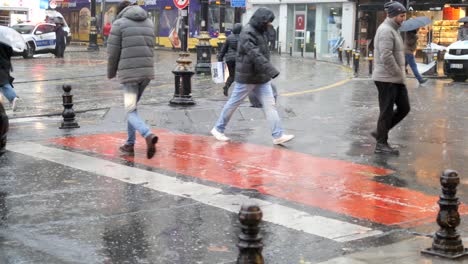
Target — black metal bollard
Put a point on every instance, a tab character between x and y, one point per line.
447	242
279	48
302	49
371	62
68	112
290	48
340	54
356	63
436	72
250	241
348	56
183	81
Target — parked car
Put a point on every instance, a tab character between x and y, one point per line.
39	38
456	61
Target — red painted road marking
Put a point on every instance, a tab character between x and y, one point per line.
334	185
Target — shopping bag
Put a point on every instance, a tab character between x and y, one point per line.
217	72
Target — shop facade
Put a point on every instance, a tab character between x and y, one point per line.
443	30
305	26
16	11
165	16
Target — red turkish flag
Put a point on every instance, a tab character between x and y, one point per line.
300	22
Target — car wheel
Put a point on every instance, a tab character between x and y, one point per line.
459	78
29	52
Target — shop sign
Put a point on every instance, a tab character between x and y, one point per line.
300	22
238	3
181	4
451	13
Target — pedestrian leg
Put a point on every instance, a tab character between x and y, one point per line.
264	93
240	92
402	103
8	91
387	95
414	67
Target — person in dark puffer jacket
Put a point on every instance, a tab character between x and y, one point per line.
254	72
130	53
229	53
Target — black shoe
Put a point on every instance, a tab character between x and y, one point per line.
225	91
151	141
128	150
382	148
423	81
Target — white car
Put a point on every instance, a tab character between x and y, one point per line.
456	61
39	38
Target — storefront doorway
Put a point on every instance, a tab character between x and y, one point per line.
299	28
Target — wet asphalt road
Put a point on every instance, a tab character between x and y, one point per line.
57	214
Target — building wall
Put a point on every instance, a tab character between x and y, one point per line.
323	34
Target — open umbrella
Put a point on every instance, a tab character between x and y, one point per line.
12	38
463	19
414	23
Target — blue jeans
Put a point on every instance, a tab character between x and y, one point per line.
264	94
132	95
412	63
8	92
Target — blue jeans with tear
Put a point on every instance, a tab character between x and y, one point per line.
132	95
264	93
8	91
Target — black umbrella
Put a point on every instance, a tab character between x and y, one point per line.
463	19
414	23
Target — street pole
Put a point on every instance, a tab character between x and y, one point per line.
183	72
237	14
103	13
204	46
93	31
222	30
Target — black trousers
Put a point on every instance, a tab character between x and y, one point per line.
3	128
232	72
391	94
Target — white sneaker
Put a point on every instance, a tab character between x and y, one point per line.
283	139
218	135
14	104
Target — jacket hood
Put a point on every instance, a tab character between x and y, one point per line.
237	28
261	17
133	12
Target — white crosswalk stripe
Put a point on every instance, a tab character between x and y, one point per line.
278	214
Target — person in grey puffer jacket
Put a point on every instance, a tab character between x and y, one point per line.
389	76
254	72
130	54
229	53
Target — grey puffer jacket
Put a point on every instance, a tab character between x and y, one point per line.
130	46
253	64
389	54
229	49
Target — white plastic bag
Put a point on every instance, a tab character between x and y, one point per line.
217	72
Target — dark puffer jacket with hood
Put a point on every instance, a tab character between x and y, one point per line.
130	46
229	49
253	64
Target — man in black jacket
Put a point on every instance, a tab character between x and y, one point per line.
229	53
254	72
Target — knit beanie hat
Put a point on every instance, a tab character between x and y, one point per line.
122	5
394	8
